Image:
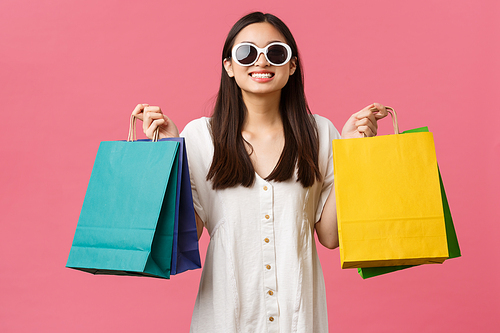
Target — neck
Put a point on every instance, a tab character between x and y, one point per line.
262	111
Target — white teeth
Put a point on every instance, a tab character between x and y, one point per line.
262	75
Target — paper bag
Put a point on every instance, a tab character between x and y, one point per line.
137	217
389	206
453	246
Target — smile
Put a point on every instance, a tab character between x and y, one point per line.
262	75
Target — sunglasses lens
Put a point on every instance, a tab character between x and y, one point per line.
246	54
277	54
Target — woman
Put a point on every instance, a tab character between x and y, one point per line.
262	173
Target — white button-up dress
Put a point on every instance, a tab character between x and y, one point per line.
262	272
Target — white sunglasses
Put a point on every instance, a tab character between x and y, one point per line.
247	54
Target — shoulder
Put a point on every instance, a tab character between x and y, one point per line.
326	129
198	140
197	128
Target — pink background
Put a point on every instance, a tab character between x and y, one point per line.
71	72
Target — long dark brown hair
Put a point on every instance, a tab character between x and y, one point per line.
231	164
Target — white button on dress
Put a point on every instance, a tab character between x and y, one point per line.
261	272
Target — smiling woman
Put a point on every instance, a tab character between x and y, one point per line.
265	58
262	86
262	173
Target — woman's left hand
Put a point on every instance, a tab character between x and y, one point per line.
364	122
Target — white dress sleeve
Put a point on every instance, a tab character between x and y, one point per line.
199	149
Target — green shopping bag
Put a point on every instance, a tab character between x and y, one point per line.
126	225
453	247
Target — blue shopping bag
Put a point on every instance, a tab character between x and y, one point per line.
185	254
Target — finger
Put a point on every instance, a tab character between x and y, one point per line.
366	112
367	126
377	109
368	107
154	125
380	111
367	121
366	131
367	116
149	118
154	109
148	110
138	111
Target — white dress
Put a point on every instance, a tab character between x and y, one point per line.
262	272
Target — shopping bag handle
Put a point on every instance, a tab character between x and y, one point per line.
156	134
131	131
394	117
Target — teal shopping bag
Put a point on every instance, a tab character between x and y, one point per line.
453	247
126	225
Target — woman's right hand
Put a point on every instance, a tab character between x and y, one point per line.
153	118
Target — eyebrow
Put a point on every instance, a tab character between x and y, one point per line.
273	41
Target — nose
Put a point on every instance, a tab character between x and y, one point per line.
261	60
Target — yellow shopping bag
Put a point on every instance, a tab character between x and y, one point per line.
389	205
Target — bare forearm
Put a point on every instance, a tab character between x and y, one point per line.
326	227
199	225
